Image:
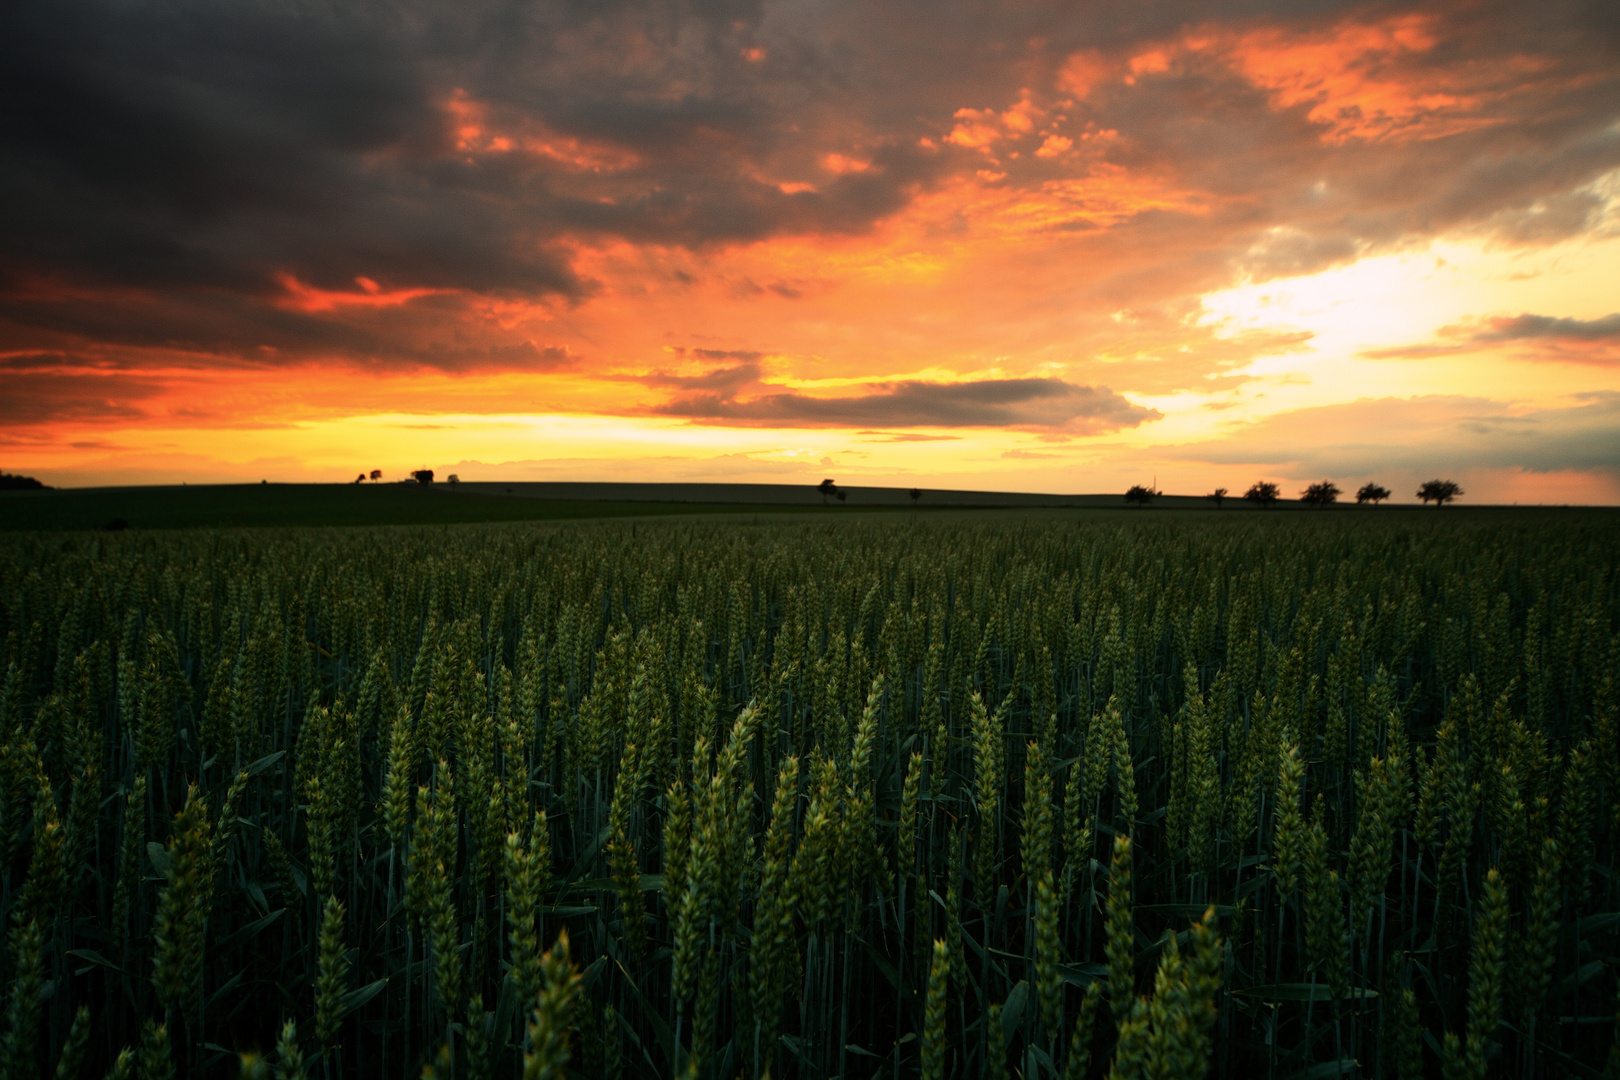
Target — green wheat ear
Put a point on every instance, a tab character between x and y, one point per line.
906	841
1121	944
334	965
1288	829
933	1047
547	1055
527	870
1485	974
1407	1045
289	1059
26	1000
995	1045
1079	1056
1538	949
253	1067
182	915
155	1063
67	1066
123	1066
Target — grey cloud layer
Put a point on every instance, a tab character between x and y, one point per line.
1424	435
204	145
1538	327
1049	403
1594	341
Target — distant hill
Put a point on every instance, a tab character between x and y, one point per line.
26	504
789	495
9	482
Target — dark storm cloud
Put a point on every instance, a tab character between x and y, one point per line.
165	169
198	145
226	330
985	403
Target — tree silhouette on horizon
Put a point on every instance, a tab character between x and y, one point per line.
1373	493
1263	493
1319	495
1439	491
11	482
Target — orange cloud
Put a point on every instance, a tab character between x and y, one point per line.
979	129
1021	117
308	298
1085	70
1354	81
841	164
1055	146
1107	196
473	133
1152	62
975	129
1358	79
579	154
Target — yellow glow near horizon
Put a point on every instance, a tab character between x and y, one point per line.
1390	301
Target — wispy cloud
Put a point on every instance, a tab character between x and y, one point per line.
1546	337
905	437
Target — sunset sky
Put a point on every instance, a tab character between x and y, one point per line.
1009	246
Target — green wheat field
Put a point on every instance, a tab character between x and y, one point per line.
1145	797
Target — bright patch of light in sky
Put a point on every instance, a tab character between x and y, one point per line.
1400	299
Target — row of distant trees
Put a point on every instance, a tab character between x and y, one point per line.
1264	493
829	488
9	482
423	477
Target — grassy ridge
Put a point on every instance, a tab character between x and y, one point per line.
293	505
236	505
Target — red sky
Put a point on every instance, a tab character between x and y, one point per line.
1017	246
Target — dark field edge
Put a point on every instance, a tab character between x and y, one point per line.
296	505
301	505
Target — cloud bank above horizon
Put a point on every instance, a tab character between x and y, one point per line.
1009	246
